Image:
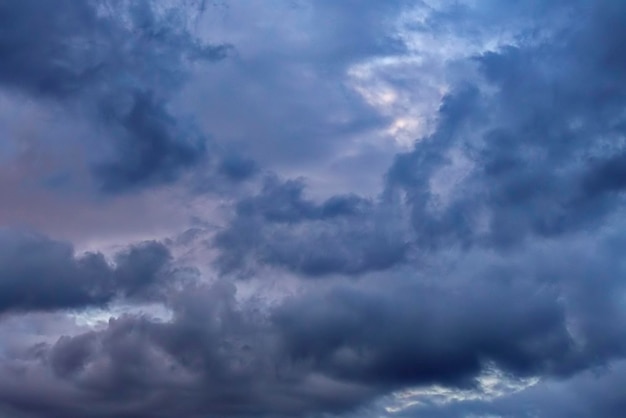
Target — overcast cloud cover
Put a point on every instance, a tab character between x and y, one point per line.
324	208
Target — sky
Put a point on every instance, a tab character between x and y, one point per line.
312	209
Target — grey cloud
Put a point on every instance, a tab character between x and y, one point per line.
283	202
213	359
524	163
238	168
530	147
40	274
496	243
280	227
150	150
116	62
553	310
528	133
299	55
336	349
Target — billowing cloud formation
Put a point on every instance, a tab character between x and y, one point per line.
491	257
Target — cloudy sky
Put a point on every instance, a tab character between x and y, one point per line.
312	208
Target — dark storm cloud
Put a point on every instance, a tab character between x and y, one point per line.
333	350
415	339
540	313
40	274
541	138
532	147
280	227
118	62
521	181
213	359
149	151
511	258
